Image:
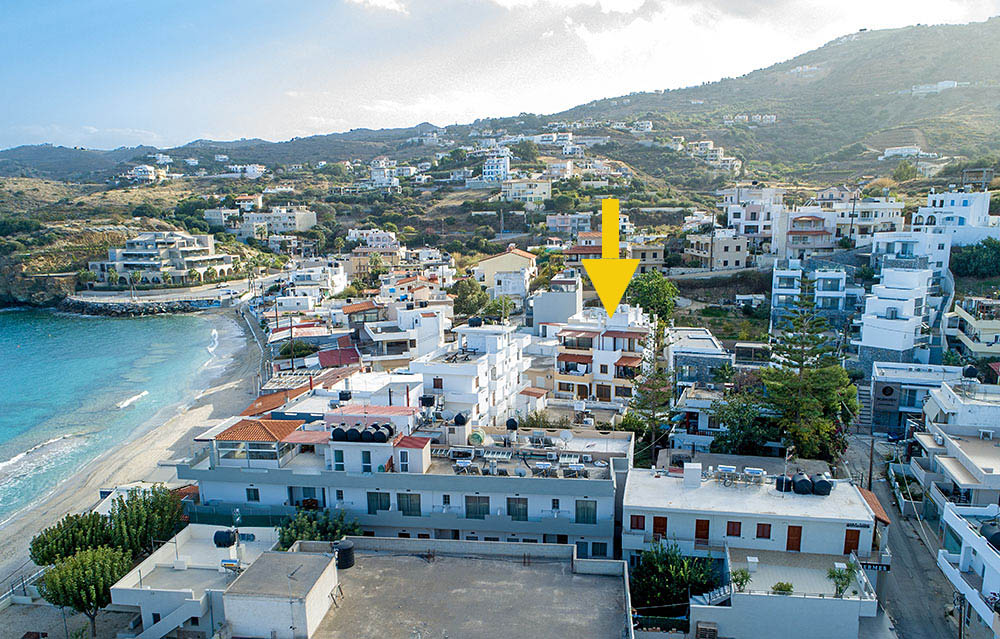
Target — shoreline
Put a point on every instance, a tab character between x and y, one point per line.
167	435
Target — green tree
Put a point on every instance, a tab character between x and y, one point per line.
134	278
654	293
83	582
904	171
85	275
193	276
314	525
469	297
746	429
808	387
665	578
841	578
211	273
72	534
500	307
112	276
142	517
526	150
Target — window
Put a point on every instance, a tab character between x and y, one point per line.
377	502
586	511
408	504
446	500
637	522
555	504
340	495
338	460
253	494
566	386
404	461
763	531
366	461
517	508
733	528
308	492
438	382
598	549
476	507
623	391
604	369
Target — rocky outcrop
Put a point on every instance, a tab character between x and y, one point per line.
124	308
18	288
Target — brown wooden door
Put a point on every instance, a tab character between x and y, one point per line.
582	391
701	530
794	541
852	538
659	527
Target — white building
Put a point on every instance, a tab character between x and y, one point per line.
895	325
563	300
836	294
916	248
390	344
226	218
496	168
752	210
569	223
694	354
898	392
375	238
249	171
219	157
191	161
964	214
283	219
142	173
532	192
161	257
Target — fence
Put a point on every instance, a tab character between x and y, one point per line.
223	515
662	624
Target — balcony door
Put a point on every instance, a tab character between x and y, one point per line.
794	541
852	537
659	527
701	530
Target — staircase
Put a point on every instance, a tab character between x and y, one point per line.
863	422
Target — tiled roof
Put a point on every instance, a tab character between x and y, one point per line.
589	234
408	441
357	307
531	391
628	360
584	250
515	251
259	430
338	357
875	505
267	403
626	334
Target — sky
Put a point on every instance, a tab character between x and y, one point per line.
103	73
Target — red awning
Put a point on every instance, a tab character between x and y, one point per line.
625	334
574	333
628	360
306	437
579	359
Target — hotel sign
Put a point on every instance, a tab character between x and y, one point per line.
874	566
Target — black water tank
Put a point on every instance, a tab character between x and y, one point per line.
422	303
475	321
367	436
970	372
801	484
783	483
409	306
338	435
380	436
991	531
389	429
821	485
461	419
511	424
224	538
426	401
353	435
345	553
345	395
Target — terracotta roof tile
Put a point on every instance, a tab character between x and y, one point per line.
408	441
259	430
531	391
267	403
875	505
357	307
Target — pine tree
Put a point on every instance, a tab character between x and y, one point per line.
143	517
808	387
72	534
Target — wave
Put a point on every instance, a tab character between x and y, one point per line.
215	342
18	458
131	400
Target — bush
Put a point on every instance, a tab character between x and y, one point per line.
71	535
314	525
783	588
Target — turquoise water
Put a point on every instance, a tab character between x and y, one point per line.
71	387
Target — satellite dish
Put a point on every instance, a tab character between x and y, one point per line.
566	436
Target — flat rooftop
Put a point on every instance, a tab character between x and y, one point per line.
645	490
676	457
807	572
916	373
984	453
402	596
281	574
694	338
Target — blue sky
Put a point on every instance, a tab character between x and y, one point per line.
102	74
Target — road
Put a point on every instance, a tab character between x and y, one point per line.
169	294
915	593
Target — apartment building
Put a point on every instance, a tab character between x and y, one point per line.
359	263
740	516
599	357
224	218
496	167
805	232
720	249
962	213
161	257
507	273
694	355
970	561
400	480
836	295
912	249
532	192
860	219
895	325
390	344
375	238
652	256
752	210
480	374
898	391
568	223
247	203
974	326
562	300
283	219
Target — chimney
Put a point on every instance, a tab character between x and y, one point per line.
692	475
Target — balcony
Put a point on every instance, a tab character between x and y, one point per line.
969	584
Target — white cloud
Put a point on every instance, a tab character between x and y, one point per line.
387	5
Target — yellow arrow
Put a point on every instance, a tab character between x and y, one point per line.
610	274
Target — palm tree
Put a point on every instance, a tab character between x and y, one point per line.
210	273
193	275
112	276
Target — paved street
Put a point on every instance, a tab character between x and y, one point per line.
915	593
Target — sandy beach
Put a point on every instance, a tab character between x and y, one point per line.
137	460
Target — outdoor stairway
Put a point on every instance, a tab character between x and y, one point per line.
863	422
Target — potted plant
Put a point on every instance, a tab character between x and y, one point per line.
740	578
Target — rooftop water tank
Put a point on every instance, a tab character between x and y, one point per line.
821	485
461	419
338	435
801	483
353	435
426	400
475	321
224	538
991	531
367	436
970	372
345	553
380	436
783	483
345	395
511	424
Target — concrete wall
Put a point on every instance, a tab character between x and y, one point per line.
762	616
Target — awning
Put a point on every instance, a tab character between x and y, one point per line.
579	359
573	333
625	334
306	437
877	510
628	360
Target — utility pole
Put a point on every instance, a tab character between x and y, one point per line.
871	461
854	204
960	605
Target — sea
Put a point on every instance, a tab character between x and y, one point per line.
74	386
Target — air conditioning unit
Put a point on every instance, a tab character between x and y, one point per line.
706	630
587	458
551	456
